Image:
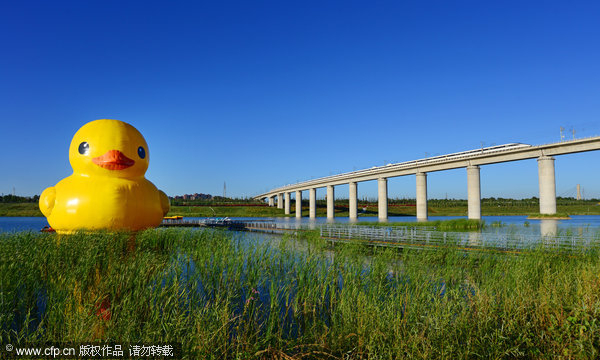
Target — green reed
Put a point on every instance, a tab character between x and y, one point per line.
440	225
231	295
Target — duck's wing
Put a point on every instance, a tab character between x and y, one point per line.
47	201
164	202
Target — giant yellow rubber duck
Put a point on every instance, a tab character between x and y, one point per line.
108	189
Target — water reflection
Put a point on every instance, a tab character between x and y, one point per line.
548	227
474	238
586	226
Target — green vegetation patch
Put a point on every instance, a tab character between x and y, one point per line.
441	225
222	211
231	295
560	216
20	209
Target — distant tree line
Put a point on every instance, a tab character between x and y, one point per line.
215	200
19	199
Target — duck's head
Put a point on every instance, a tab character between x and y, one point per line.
109	148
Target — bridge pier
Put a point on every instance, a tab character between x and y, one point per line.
352	201
382	205
271	201
280	201
286	203
421	196
547	185
473	192
312	203
298	204
330	202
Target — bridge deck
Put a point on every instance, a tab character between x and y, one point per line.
484	156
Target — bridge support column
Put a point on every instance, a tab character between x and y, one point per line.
330	202
473	193
352	201
280	201
421	196
286	203
547	185
271	201
312	203
298	204
382	201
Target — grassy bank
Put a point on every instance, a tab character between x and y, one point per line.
222	211
558	215
225	297
32	209
446	225
489	207
20	209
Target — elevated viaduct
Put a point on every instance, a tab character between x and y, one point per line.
470	160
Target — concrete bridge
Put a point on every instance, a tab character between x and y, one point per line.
471	160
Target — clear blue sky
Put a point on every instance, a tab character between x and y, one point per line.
261	94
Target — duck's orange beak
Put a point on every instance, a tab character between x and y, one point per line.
113	160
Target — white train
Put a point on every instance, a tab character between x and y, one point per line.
429	160
481	151
452	156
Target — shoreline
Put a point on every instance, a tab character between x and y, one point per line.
528	217
563	212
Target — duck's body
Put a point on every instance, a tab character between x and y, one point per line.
108	191
114	203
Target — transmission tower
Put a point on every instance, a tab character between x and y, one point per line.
224	189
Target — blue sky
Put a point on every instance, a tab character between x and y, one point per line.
264	93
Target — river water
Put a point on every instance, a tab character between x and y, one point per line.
580	224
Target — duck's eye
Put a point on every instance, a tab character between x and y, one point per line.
84	148
141	152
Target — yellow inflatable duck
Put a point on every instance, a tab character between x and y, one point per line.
108	189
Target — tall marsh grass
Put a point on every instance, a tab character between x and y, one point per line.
230	295
440	225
